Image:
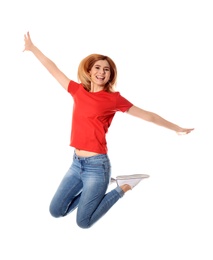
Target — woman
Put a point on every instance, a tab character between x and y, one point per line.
85	184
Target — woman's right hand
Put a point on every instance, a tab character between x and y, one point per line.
46	62
28	42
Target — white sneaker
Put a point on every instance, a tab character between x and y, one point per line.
131	180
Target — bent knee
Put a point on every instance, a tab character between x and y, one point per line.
54	212
83	224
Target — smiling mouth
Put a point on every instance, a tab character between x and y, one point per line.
100	78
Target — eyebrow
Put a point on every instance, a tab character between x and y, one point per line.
106	67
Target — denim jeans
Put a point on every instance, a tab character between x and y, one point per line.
84	187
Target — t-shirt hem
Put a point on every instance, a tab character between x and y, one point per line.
89	150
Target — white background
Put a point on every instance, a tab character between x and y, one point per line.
163	51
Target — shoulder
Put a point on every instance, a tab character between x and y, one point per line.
122	103
73	87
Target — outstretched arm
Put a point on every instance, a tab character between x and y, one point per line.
46	62
156	119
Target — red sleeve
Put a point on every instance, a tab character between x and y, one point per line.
122	103
73	87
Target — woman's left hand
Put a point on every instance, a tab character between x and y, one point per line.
184	131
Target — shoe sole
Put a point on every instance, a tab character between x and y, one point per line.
133	176
112	180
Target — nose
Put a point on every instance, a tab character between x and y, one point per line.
102	71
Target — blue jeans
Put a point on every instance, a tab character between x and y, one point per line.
84	187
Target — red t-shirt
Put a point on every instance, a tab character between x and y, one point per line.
92	115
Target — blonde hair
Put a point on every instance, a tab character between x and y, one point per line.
86	65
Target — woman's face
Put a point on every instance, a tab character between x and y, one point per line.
100	73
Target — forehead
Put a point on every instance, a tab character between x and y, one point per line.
102	63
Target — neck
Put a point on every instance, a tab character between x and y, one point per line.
96	88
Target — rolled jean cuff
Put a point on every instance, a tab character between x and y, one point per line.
120	191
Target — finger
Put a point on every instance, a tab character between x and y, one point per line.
28	35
